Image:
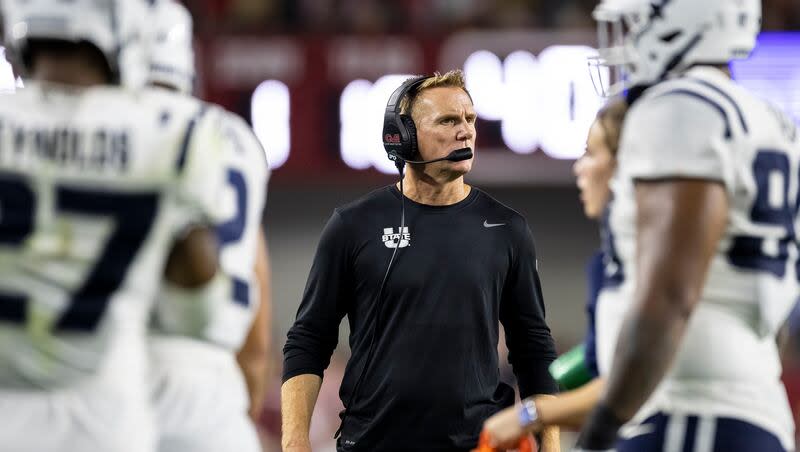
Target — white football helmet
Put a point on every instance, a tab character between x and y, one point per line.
646	41
118	28
172	58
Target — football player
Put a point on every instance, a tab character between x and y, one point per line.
202	397
106	190
705	213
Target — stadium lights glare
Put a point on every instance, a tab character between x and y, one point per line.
270	110
542	102
361	109
546	102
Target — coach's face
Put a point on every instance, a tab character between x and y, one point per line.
445	120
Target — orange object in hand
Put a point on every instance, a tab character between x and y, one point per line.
526	444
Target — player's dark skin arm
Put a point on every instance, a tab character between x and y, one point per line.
680	223
193	260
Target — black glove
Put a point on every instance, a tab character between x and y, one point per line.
599	433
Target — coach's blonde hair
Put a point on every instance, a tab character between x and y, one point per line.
450	79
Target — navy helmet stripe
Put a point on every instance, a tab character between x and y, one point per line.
705	99
726	96
187	138
678	57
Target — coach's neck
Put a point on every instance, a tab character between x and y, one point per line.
441	190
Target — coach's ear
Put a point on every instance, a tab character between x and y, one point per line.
194	258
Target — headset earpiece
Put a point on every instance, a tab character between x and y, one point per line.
399	130
411	130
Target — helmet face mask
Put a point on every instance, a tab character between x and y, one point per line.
119	29
611	67
649	41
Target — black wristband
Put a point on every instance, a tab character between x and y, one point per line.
600	429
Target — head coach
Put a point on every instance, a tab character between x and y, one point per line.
423	270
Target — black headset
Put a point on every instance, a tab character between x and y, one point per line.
399	131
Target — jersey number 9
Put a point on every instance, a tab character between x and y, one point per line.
748	252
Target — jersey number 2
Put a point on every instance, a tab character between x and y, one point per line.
748	251
231	231
133	214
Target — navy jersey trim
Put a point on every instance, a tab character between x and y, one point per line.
705	99
187	138
241	292
727	97
692	433
690	438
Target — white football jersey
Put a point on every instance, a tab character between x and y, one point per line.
242	203
703	125
95	185
199	373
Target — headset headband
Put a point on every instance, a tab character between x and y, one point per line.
397	96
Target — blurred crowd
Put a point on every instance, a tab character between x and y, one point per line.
420	16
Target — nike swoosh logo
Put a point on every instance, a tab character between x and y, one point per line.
486	224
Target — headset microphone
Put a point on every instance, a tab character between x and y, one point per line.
455	156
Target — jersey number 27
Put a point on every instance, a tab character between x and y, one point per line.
133	215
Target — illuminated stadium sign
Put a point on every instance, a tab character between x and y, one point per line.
532	92
546	102
361	109
270	111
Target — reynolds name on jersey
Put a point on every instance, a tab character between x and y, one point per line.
96	150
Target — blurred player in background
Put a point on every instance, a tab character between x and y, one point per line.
105	190
201	398
705	211
594	171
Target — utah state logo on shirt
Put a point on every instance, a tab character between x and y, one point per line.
401	239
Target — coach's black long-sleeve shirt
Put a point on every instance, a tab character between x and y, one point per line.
433	377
